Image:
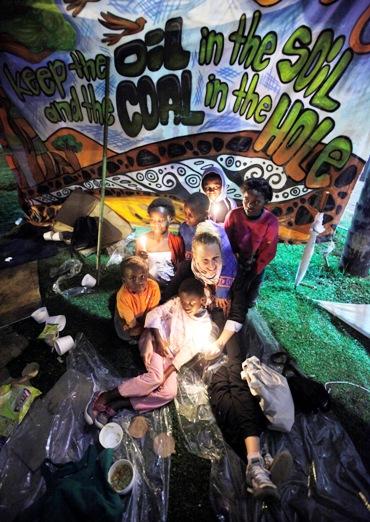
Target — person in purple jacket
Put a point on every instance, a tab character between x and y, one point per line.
196	211
206	264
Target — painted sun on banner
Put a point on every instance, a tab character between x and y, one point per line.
267	88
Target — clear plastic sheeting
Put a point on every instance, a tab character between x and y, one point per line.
202	435
68	270
329	481
55	429
65	271
122	249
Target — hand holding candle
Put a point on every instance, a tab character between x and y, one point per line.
142	245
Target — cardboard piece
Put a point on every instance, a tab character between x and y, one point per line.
80	204
19	292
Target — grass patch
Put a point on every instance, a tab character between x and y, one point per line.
323	346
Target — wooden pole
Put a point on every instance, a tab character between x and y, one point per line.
355	258
104	168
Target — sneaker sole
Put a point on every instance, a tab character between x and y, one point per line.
88	417
98	424
281	468
268	494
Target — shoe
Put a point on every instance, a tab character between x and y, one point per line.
258	478
103	417
93	407
268	460
281	468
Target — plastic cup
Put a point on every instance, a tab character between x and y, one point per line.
57	236
111	435
48	236
88	281
115	468
40	315
60	320
64	344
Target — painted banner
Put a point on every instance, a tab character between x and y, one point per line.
260	88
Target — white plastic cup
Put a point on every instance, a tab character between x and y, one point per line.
111	435
57	236
48	236
53	236
113	469
64	344
88	281
60	320
40	315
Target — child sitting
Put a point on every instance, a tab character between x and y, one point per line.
163	250
135	298
179	330
214	186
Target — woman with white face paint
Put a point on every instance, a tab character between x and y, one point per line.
206	265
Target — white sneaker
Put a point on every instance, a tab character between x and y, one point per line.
259	481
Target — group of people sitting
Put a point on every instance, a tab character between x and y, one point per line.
187	295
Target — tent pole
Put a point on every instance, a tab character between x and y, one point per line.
104	168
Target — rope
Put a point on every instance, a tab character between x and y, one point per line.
345	382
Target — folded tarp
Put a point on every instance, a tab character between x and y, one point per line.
356	315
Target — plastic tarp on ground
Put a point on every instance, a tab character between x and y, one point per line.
356	315
55	428
329	481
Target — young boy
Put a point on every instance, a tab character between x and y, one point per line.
175	332
253	233
137	296
214	186
196	211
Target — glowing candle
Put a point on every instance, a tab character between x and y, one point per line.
216	208
143	243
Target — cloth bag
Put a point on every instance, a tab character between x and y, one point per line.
275	398
308	394
77	491
85	232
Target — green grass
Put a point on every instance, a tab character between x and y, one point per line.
323	346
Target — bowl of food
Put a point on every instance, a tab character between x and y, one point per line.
122	476
111	435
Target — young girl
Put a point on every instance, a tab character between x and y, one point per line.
179	330
163	250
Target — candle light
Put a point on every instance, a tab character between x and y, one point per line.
216	208
143	243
